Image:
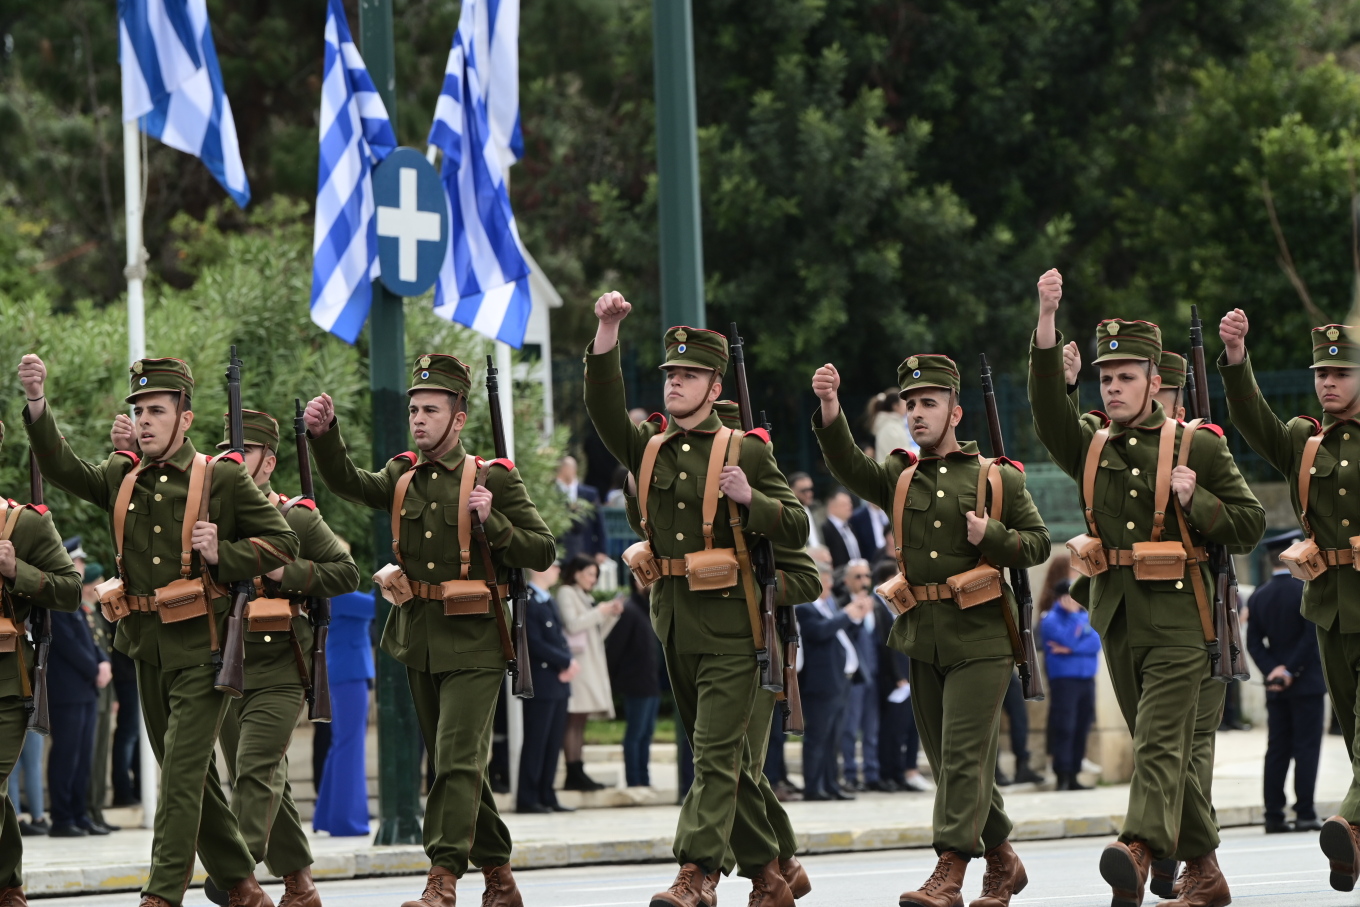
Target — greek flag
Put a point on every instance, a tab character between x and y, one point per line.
355	135
172	83
484	283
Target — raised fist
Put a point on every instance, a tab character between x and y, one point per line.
122	435
32	375
319	415
826	381
1232	330
1071	362
1050	292
611	308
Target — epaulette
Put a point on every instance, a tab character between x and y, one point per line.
306	502
1009	462
760	433
911	457
233	455
506	462
659	419
1216	429
1316	424
407	455
1104	419
136	460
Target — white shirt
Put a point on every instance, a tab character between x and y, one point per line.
828	608
814	537
851	543
569	490
879	521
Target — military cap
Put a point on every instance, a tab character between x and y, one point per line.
440	372
160	376
696	348
261	428
94	572
1172	369
1277	543
1334	347
729	413
1120	339
927	370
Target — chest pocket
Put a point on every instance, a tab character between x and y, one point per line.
1112	483
214	511
137	526
1325	481
916	515
413	526
661	499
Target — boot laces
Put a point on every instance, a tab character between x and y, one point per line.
939	877
994	878
434	887
493	884
683	881
1191	877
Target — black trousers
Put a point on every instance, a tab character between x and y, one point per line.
823	716
775	769
898	742
1071	709
70	752
126	744
1294	726
1018	718
545	723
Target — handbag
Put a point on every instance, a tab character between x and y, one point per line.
1088	551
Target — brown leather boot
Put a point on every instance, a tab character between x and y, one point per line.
710	888
1202	884
768	889
13	897
299	890
942	889
1125	867
1163	882
796	876
1340	841
686	891
1005	876
440	890
501	890
148	900
248	893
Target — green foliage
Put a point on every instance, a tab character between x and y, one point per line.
251	289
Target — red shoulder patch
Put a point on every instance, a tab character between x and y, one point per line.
659	419
306	502
409	456
234	456
1009	462
911	457
37	508
1218	430
506	462
760	433
136	460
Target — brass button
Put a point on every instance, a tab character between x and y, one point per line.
132	506
944	469
684	475
684	447
937	524
403	511
1104	462
681	505
428	533
1341	491
1133	492
1180	585
1312	470
434	474
1133	442
1346	436
1129	524
430	565
934	554
1345	522
679	536
165	478
156	529
158	497
155	560
1345	462
434	505
726	593
940	493
1135	470
268	638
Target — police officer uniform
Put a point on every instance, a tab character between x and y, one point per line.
961	659
175	670
455	664
1152	630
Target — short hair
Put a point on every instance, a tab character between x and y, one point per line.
798	477
825	569
855	562
884	571
574	566
837	492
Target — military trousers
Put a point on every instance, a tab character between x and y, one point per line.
13	720
456	710
1168	703
727	806
958	716
758	744
99	766
183	714
1341	666
256	731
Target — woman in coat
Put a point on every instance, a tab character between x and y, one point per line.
586	625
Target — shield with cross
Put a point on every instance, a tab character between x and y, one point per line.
412	222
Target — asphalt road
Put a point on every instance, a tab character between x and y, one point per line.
1281	869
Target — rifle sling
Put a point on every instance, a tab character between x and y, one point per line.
748	577
25	685
466	517
1192	561
1310	452
303	674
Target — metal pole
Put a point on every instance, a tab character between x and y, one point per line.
677	165
399	763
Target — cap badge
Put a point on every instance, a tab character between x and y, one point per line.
1114	344
1113	328
424	361
424	375
913	362
680	349
142	382
1332	350
916	374
680	335
1333	333
137	367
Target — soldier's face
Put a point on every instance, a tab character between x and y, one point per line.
687	389
260	463
930	414
153	416
428	416
1338	389
1170	398
1124	388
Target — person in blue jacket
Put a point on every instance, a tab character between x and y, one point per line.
545	716
1072	652
342	802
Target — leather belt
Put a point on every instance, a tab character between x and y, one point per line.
1123	557
671	566
932	592
141	602
1339	557
434	592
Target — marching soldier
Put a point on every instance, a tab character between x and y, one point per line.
1317	460
730	816
1149	587
954	513
37	572
150	497
452	650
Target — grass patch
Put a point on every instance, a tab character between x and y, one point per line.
611	732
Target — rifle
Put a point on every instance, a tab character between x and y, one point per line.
1022	636
762	564
516	650
231	661
791	700
1229	663
318	608
39	720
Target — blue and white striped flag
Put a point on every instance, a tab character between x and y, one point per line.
498	43
171	82
355	136
484	283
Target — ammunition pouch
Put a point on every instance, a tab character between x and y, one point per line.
641	560
392	583
1304	560
269	615
897	593
1088	555
9	634
712	568
1158	560
973	587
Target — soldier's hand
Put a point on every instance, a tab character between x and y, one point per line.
8	563
32	375
122	434
1050	292
1232	330
977	527
204	541
479	502
319	415
733	483
1183	484
826	381
611	308
1071	363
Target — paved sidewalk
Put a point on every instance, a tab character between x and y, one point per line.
644	833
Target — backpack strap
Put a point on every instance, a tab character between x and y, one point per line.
1310	451
899	505
1166	455
465	486
1088	480
748	576
644	483
716	457
399	498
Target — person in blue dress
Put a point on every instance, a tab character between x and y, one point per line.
342	802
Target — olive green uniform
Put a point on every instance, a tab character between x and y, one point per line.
44	577
455	665
1332	601
706	636
961	659
175	675
1150	630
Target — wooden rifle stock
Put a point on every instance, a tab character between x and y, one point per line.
231	660
39	719
318	609
1021	633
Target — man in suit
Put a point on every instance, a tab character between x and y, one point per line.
830	662
1284	646
586	535
861	711
896	726
837	535
806	493
871	527
545	715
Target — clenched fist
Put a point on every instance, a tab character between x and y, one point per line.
733	483
1183	483
319	415
204	541
1050	292
33	375
479	502
122	435
1232	330
8	563
611	308
826	381
1071	363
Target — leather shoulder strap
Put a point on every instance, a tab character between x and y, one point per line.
1088	479
748	576
120	510
194	504
716	456
289	504
465	486
989	473
399	498
1161	491
998	489
11	520
1310	450
644	480
900	505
